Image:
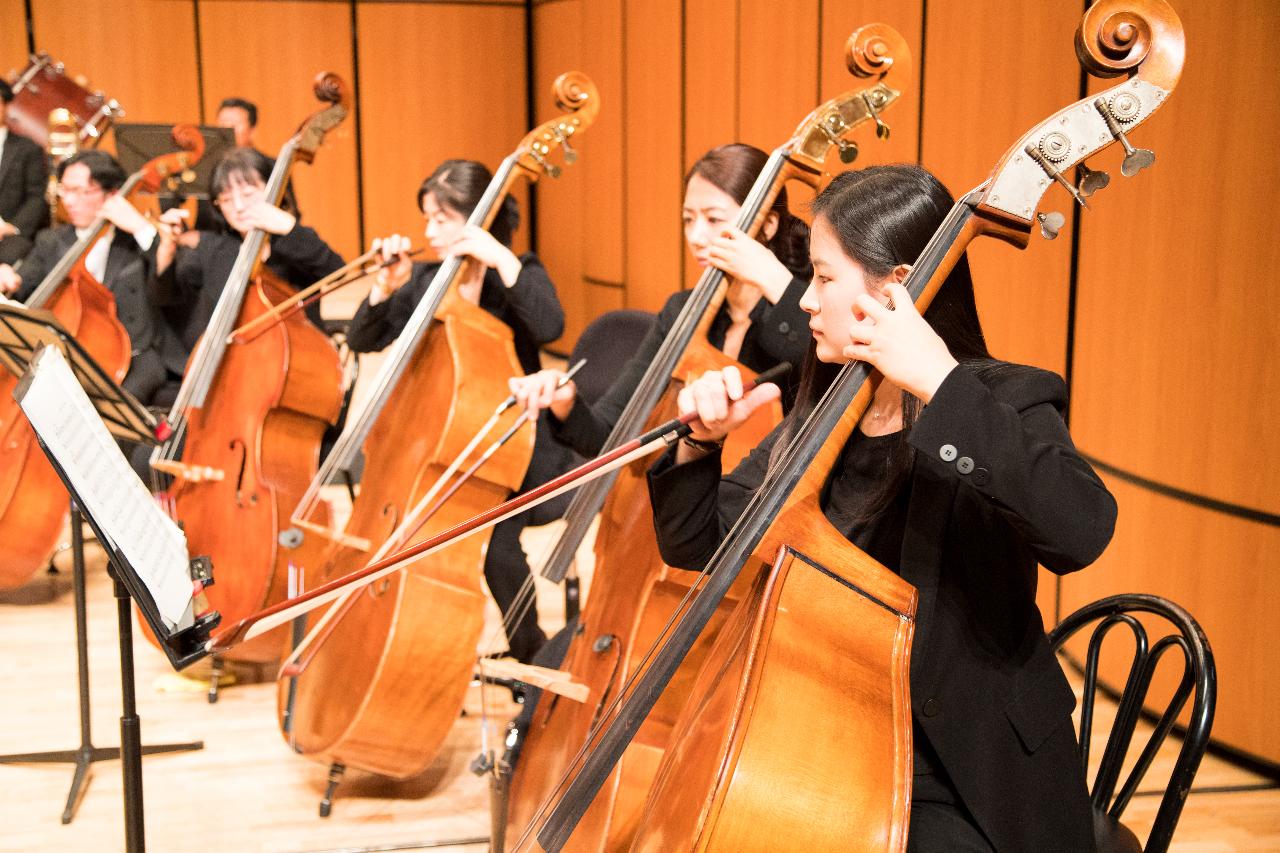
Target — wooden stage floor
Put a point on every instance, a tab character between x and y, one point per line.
246	791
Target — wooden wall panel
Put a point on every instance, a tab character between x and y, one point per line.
1179	300
602	163
558	42
777	68
653	182
272	62
423	99
1176	326
839	19
711	64
978	99
13	37
581	214
151	72
1221	569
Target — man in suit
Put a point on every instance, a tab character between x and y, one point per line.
124	260
23	176
242	117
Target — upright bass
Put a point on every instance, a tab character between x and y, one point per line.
33	501
385	678
249	417
818	652
633	594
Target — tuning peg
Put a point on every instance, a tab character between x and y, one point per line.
832	128
570	156
188	176
1050	224
882	129
1091	181
1034	152
1135	159
551	168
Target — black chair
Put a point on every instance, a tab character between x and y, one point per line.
1199	675
607	344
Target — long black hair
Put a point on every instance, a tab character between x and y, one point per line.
733	170
884	216
459	185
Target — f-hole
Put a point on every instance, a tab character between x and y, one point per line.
237	444
391	512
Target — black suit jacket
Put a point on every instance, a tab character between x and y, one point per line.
530	307
24	173
129	276
189	289
996	487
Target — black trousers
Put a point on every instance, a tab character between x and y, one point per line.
506	570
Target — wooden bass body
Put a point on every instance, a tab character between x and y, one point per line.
261	426
389	681
631	598
34	506
798	725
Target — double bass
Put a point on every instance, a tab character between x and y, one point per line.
386	680
33	501
249	417
818	652
633	594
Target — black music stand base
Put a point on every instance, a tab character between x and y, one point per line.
130	737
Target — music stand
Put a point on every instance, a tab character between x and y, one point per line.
138	144
23	333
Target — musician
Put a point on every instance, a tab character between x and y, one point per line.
514	288
241	116
191	277
24	173
960	477
123	260
759	324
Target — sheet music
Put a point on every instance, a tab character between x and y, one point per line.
109	490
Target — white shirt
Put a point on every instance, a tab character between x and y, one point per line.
96	261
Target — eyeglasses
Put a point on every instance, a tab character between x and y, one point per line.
67	193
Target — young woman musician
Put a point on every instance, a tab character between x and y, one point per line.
514	288
961	477
760	323
192	276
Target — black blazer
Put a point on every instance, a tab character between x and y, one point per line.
24	174
189	289
777	333
997	486
530	307
129	276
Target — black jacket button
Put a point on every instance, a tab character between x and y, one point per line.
931	708
981	476
784	327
